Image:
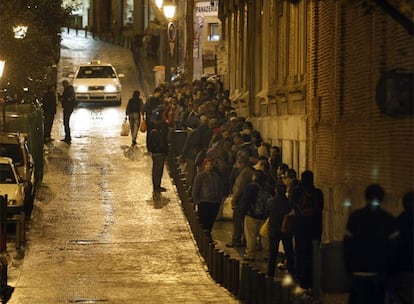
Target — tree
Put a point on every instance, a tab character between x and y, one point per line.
29	61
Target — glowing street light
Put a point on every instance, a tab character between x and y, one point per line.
20	31
2	65
169	9
159	3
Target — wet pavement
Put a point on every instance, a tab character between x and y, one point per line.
97	234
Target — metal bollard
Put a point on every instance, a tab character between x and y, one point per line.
270	290
210	259
86	31
316	271
220	269
226	271
258	281
284	294
244	290
235	275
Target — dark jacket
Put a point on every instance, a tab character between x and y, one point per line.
134	106
405	226
206	188
279	206
370	241
68	98
250	198
197	140
151	104
311	225
158	139
49	102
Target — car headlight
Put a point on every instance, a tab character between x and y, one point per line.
81	89
11	202
110	88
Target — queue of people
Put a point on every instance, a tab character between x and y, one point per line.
225	158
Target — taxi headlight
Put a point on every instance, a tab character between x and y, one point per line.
11	202
81	89
110	88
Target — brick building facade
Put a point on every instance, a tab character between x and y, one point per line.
306	73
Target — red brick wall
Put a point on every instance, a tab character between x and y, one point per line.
353	144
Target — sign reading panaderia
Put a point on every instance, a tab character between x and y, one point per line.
205	8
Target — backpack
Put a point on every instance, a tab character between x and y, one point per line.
260	208
156	114
307	203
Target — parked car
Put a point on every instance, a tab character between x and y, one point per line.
12	185
14	146
97	82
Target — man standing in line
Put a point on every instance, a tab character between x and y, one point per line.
68	104
370	243
308	203
49	111
207	194
242	180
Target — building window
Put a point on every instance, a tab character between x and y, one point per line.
213	32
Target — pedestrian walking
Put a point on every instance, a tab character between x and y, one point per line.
279	207
404	279
370	243
207	194
158	147
49	111
133	112
68	104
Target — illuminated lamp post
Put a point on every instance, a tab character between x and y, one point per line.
169	9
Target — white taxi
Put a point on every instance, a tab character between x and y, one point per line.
97	82
12	185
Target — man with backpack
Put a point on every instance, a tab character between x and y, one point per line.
307	201
255	208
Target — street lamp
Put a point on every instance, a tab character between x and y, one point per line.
169	12
169	9
159	3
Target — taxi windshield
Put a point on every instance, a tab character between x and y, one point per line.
96	72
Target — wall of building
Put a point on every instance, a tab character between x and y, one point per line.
354	143
320	62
